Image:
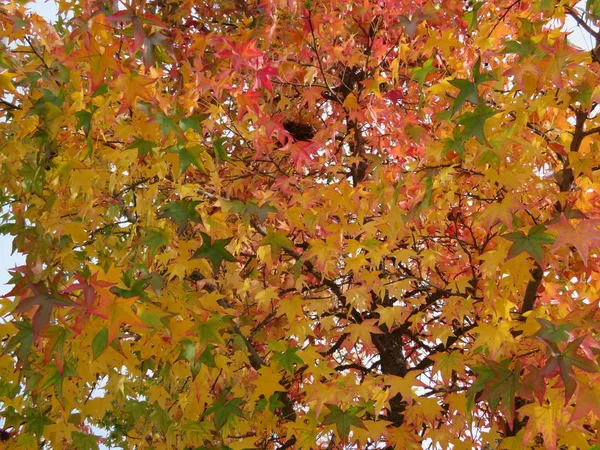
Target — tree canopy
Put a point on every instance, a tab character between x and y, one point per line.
300	224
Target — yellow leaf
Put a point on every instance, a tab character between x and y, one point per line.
351	102
544	419
362	331
6	81
118	312
267	383
403	385
390	315
242	444
494	337
447	363
265	298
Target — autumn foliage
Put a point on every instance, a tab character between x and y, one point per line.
300	224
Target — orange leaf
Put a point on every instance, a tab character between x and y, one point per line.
118	311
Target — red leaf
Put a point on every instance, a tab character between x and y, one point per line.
45	301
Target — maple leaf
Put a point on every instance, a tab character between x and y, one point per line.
551	333
468	89
288	359
215	252
118	311
420	73
6	78
23	339
447	363
224	409
133	86
278	241
499	384
99	60
583	236
363	331
588	400
208	331
85	441
187	157
473	123
261	212
264	75
562	362
154	239
343	420
390	315
57	337
267	383
45	301
242	53
530	243
411	24
545	419
182	213
56	376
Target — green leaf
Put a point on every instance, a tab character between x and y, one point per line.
220	151
468	89
488	157
208	331
288	359
84	121
278	240
498	384
481	77
33	178
99	342
261	404
36	421
83	441
522	47
456	143
55	377
160	417
592	7
152	319
144	147
136	409
167	125
532	243
215	252
259	211
181	213
193	122
23	340
223	409
550	333
471	16
187	157
154	239
207	357
250	208
420	73
275	402
474	122
343	420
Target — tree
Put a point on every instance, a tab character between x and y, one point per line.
342	224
